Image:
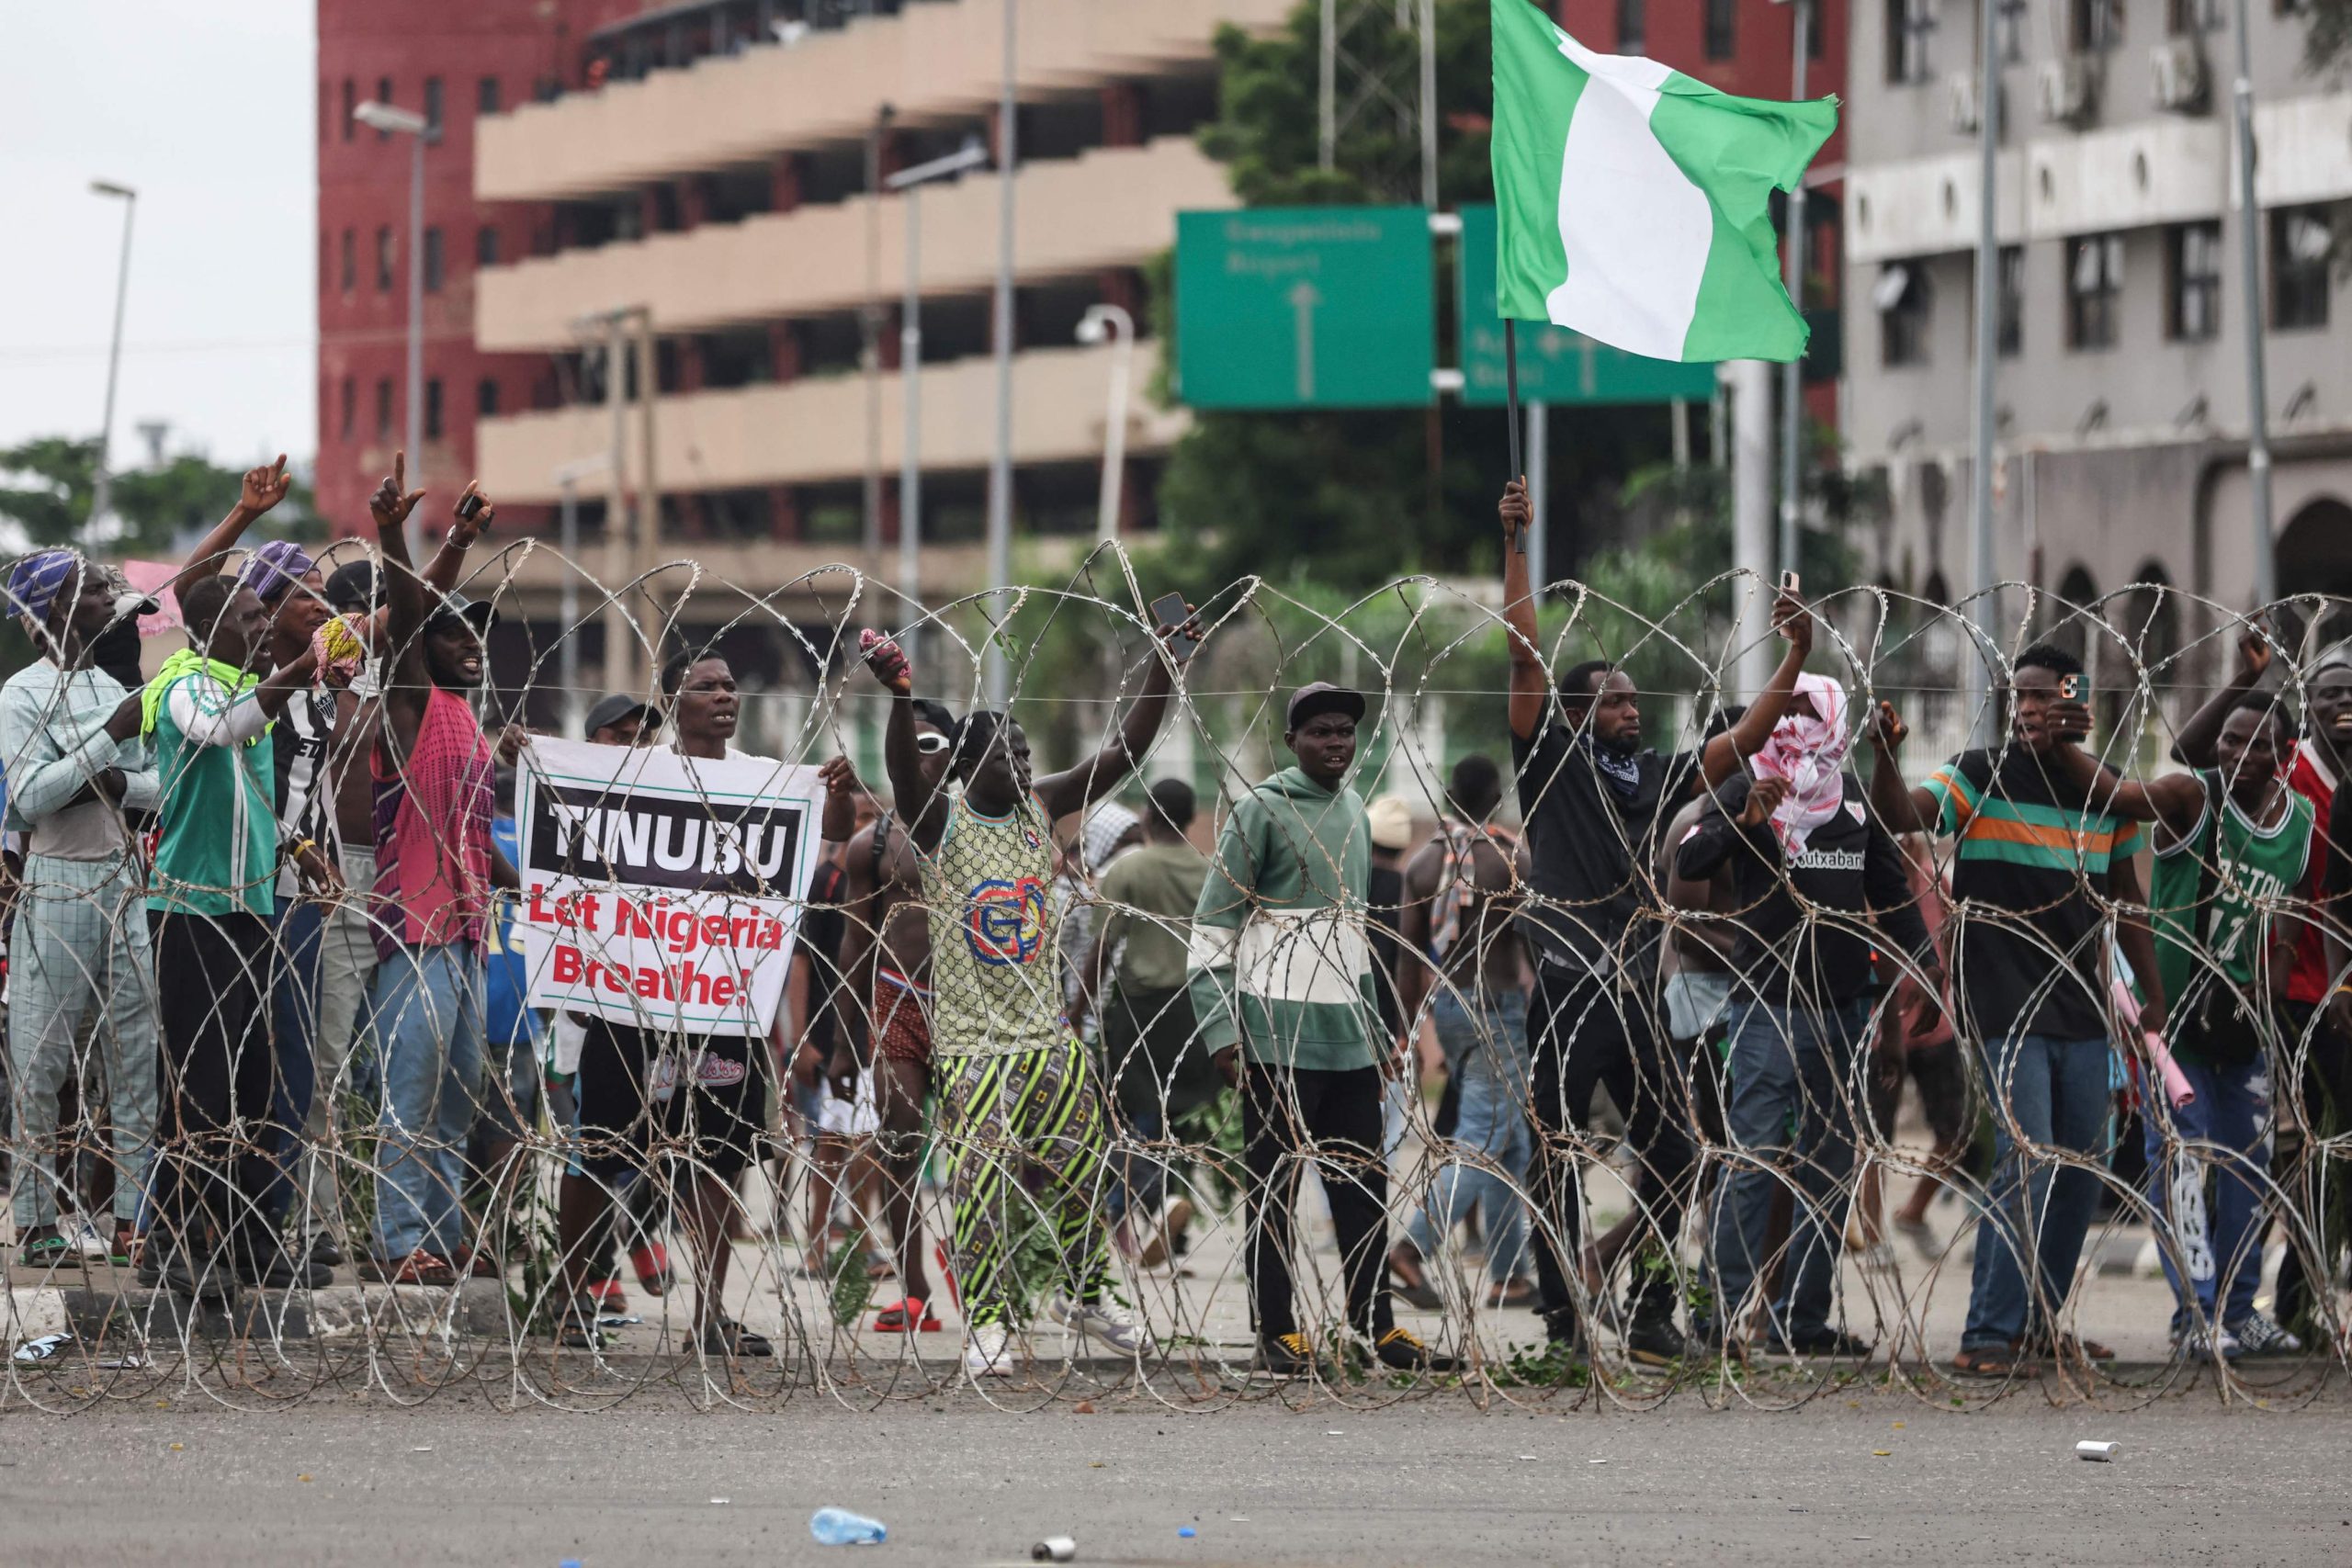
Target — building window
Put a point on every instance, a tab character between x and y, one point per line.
2096	24
1903	303
2009	320
350	273
2301	241
432	263
486	96
2193	282
2094	289
1908	25
1720	28
384	408
433	409
2008	22
349	410
2184	18
350	103
486	398
1632	26
433	108
383	95
384	255
486	246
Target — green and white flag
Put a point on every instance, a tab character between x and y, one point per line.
1633	202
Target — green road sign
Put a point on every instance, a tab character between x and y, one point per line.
1305	307
1555	366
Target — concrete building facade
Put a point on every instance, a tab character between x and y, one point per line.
726	196
456	65
2121	388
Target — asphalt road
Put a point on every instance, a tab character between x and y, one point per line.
1880	1477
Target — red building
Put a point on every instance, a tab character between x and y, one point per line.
452	63
1747	47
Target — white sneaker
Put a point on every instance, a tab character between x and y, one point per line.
2261	1336
987	1351
84	1235
1109	1319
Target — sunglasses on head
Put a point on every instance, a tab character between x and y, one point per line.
932	745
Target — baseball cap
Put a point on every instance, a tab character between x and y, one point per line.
618	707
128	599
1321	697
458	607
352	586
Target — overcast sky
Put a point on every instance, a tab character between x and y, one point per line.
207	109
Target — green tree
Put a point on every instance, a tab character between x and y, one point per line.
53	477
56	479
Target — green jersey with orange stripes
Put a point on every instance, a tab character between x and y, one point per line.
2031	858
996	987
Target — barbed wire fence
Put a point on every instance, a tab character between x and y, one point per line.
809	1173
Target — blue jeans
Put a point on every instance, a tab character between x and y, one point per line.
293	1020
426	1009
2057	1095
1791	1116
2223	1133
1488	1046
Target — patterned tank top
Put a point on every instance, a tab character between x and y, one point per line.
995	986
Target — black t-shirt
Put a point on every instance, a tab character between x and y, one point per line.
1585	838
1806	919
2029	956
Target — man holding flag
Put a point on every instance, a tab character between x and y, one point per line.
1632	206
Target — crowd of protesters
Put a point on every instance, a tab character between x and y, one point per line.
257	896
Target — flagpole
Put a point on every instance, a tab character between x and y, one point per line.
1511	391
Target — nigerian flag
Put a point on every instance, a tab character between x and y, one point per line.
1631	201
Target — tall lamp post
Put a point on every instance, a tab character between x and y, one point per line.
102	483
567	478
388	119
906	183
1112	324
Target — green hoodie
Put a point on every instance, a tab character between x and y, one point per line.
1279	960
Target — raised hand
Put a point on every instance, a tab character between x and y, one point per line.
1792	620
1188	628
265	487
1515	510
393	501
841	776
1764	797
888	660
2254	651
1887	729
470	524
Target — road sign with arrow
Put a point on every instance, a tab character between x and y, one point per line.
1305	306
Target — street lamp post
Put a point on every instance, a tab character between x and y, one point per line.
567	478
998	680
102	483
1112	324
386	119
907	183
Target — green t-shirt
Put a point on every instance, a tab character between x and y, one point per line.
215	848
2254	871
1149	895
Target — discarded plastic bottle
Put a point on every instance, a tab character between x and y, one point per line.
839	1527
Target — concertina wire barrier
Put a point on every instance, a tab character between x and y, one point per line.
815	1199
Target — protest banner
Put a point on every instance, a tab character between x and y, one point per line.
663	891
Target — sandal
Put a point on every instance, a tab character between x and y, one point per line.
1405	1269
724	1337
2071	1347
912	1315
1516	1292
1990	1362
576	1328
